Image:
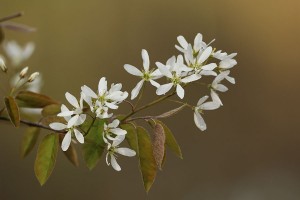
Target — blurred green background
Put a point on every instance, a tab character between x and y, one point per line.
251	149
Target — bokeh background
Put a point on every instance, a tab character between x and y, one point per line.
251	149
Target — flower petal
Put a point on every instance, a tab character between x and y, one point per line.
191	78
210	66
133	70
202	100
215	97
57	126
125	152
114	163
198	42
230	79
209	106
66	141
221	88
118	140
146	62
206	53
79	136
88	91
72	100
118	131
163	89
164	70
182	41
65	114
154	83
114	124
111	105
180	91
199	121
102	86
136	89
73	121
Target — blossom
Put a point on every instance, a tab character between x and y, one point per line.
216	86
113	149
198	62
108	98
175	71
76	111
111	131
146	74
70	127
199	121
198	44
18	54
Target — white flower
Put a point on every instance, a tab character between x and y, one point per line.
76	111
199	121
216	86
198	44
70	127
146	74
16	53
175	72
198	62
108	98
111	131
113	149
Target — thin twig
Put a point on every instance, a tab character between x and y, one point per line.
131	105
32	124
3	19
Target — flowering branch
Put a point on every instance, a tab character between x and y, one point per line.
91	120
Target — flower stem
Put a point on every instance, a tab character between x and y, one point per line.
32	124
3	19
148	105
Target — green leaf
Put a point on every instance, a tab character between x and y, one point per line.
146	158
2	36
71	153
29	99
131	136
46	157
170	140
12	110
52	109
158	143
94	145
29	140
171	112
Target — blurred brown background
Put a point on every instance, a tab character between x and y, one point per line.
251	149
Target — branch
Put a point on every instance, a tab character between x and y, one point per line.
32	124
19	14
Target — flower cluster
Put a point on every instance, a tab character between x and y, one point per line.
195	61
99	103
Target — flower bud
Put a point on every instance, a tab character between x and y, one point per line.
2	65
33	76
23	72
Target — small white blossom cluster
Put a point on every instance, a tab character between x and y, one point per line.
99	104
196	60
17	55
